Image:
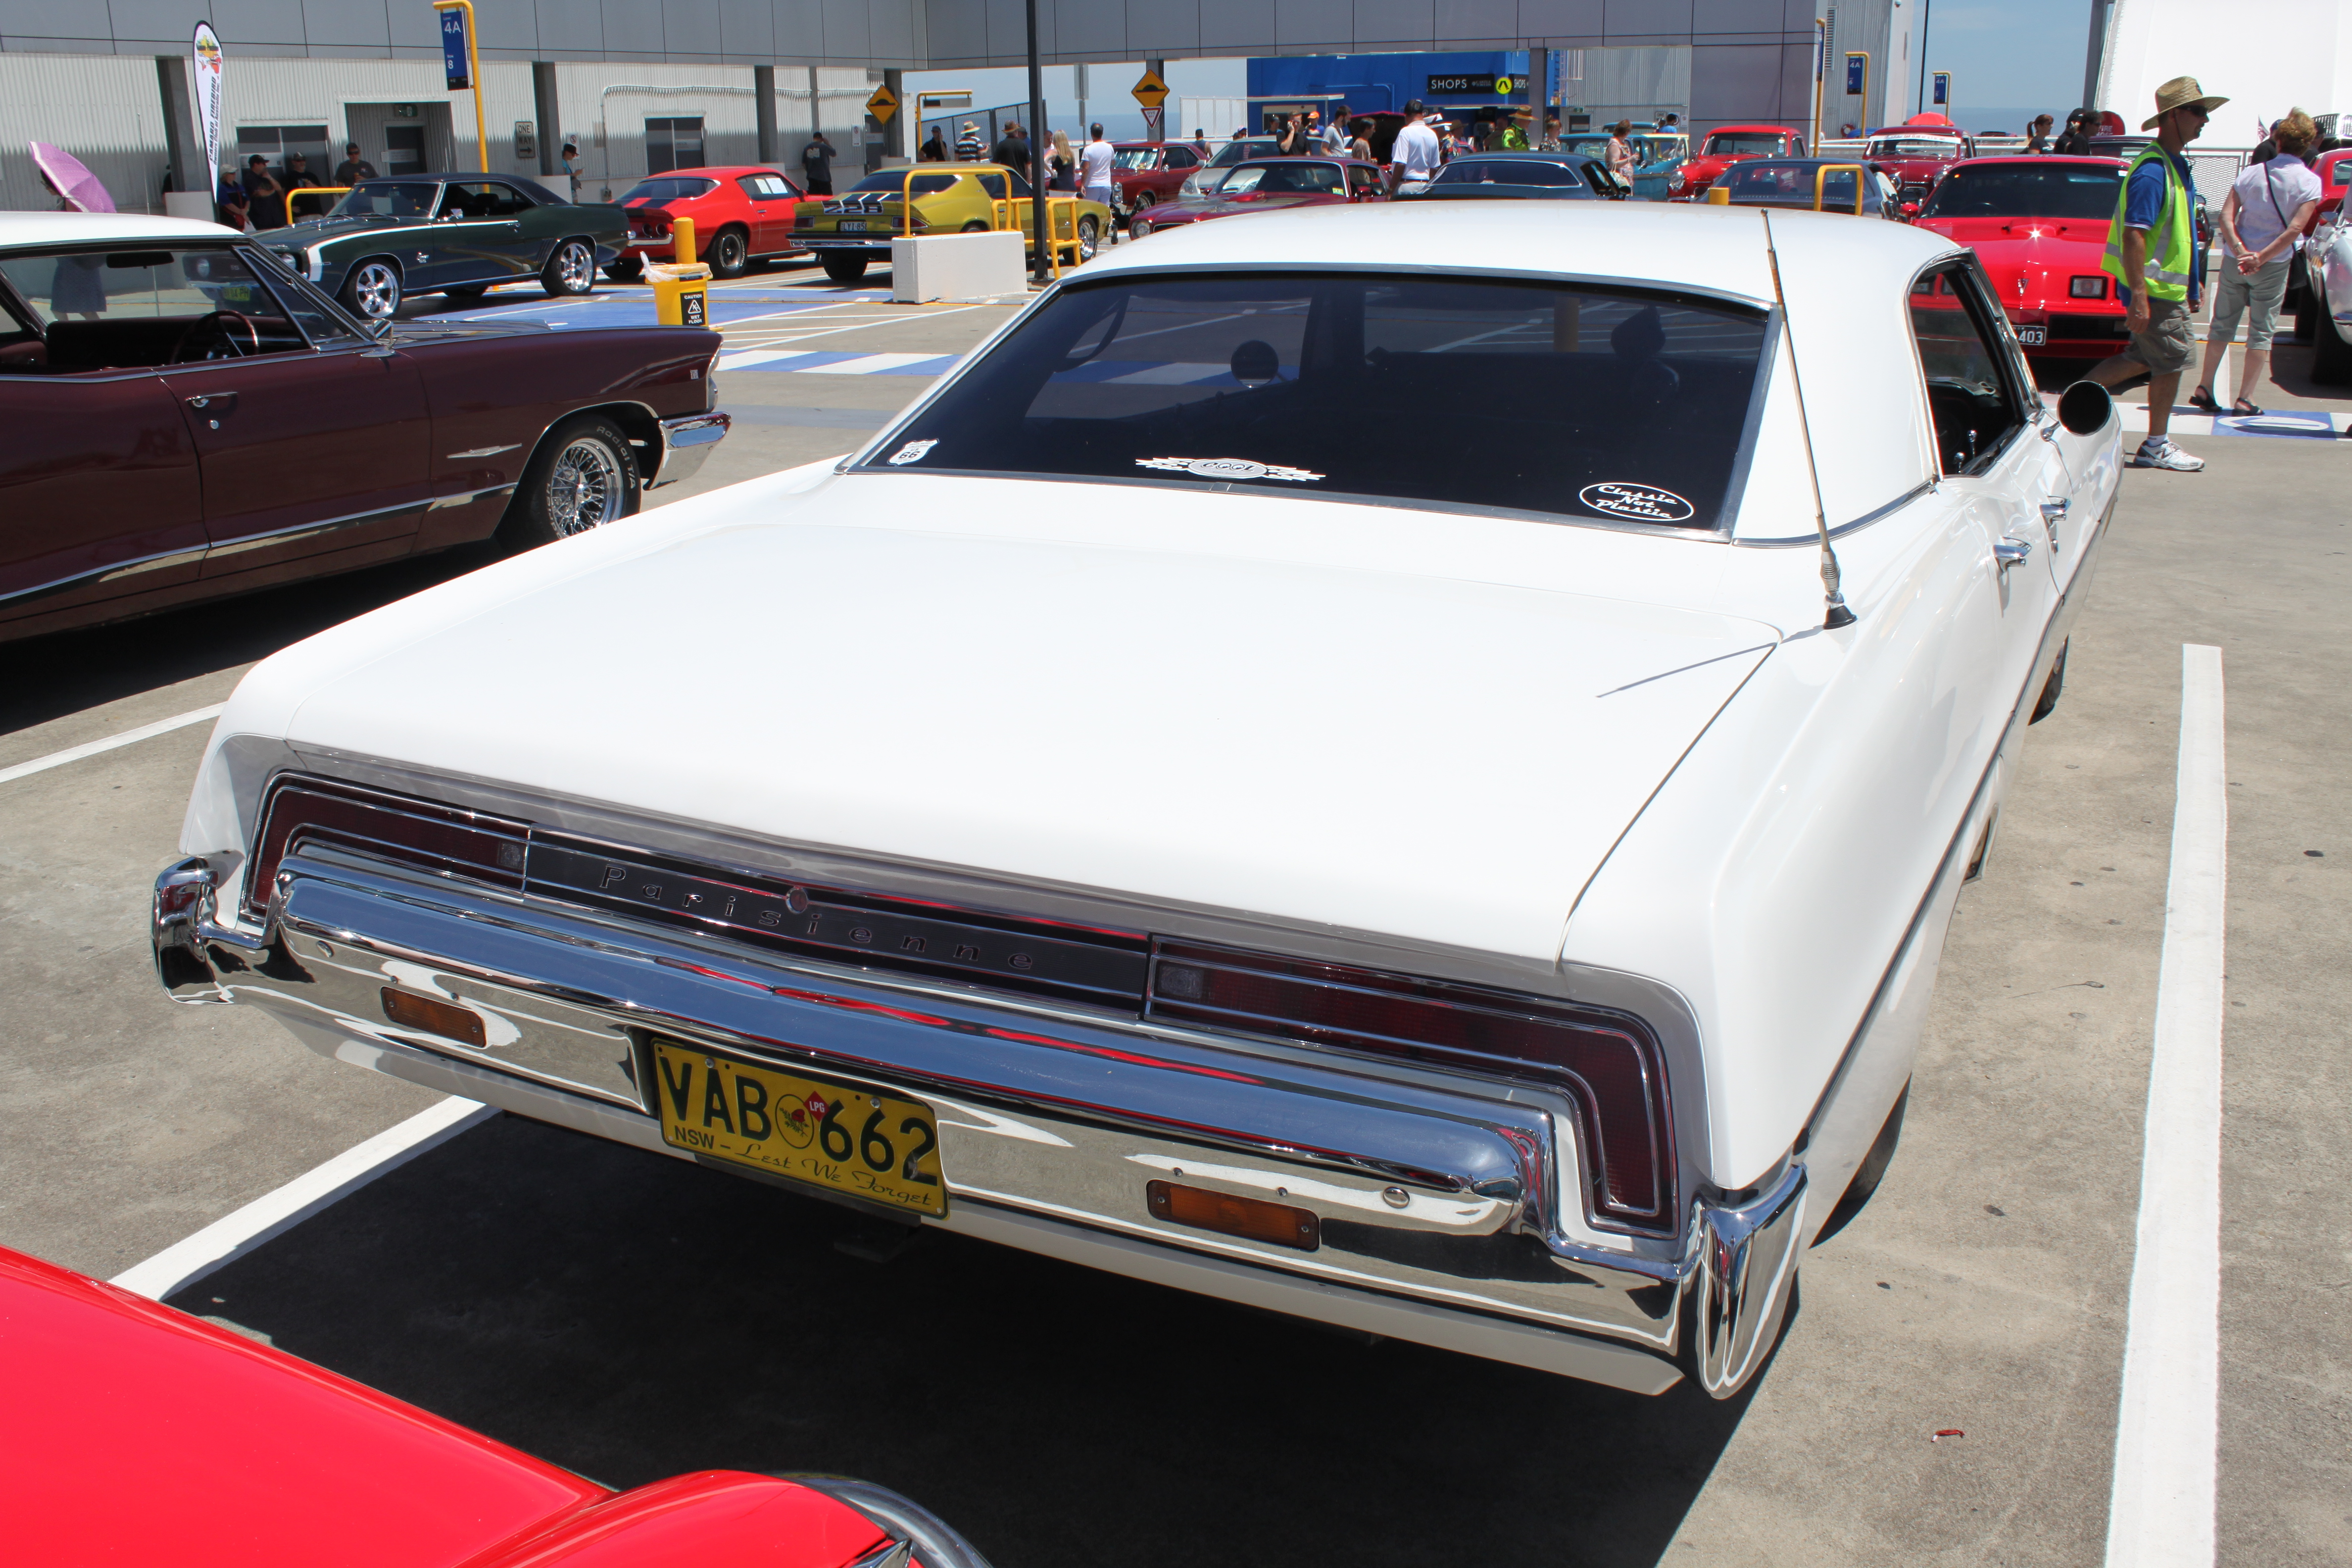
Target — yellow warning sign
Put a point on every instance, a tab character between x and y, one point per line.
1151	92
882	105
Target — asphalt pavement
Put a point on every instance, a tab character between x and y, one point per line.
632	1317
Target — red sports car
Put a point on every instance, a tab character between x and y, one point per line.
2040	225
1725	145
740	215
1150	172
142	1434
1265	184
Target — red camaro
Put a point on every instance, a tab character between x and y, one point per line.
2040	225
740	215
142	1434
1725	145
1264	184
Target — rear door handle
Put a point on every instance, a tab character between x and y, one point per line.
214	402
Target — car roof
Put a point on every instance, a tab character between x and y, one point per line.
69	227
1776	130
1170	141
2039	159
719	171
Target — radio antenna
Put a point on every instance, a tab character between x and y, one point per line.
1835	613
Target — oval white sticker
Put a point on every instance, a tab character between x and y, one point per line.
1644	503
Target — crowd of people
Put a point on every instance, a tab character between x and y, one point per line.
257	197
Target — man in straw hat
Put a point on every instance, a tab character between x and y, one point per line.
2159	267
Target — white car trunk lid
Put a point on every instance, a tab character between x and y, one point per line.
1446	761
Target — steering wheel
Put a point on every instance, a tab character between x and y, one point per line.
217	320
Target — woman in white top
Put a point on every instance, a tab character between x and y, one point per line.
1621	151
2267	206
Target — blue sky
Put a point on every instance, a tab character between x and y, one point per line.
2010	59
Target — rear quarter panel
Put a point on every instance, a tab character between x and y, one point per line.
507	392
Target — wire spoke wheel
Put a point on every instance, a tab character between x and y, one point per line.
584	487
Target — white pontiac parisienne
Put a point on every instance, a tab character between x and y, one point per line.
1423	796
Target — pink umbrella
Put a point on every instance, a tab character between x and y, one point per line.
71	180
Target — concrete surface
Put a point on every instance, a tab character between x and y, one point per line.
632	1317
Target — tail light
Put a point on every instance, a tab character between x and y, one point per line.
1606	1063
916	222
444	839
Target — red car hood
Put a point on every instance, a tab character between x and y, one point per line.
2030	259
1906	171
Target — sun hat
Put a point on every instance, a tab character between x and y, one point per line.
2181	92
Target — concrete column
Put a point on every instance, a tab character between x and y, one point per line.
896	142
764	101
549	110
182	152
1159	69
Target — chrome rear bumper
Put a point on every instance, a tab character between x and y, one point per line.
687	440
1434	1195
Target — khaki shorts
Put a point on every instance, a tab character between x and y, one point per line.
2170	342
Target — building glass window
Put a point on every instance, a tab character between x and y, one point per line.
673	142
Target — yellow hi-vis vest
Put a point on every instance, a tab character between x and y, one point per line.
2168	243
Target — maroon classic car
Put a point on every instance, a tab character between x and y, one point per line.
1149	172
1265	184
1916	156
187	418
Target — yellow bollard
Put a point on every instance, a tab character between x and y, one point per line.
681	250
1718	195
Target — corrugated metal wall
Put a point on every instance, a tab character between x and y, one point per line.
105	110
108	111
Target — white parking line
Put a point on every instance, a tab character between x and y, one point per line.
2160	1512
233	1236
128	737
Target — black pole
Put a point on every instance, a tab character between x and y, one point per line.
1037	161
1926	9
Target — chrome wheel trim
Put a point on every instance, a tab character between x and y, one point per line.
575	267
729	252
375	289
1090	239
583	488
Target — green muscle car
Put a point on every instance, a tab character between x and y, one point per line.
450	234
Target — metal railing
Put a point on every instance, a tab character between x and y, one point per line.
314	191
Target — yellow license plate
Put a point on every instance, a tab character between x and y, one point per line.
872	1146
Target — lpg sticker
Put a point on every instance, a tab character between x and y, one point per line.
1643	503
912	452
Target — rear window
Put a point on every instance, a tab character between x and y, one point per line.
1529	397
1505	171
893	182
2085	191
669	188
1233	151
1287	178
1729	146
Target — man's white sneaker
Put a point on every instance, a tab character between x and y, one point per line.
2164	455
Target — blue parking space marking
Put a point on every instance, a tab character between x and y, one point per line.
621	310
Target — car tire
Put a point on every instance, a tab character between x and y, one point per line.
571	270
627	271
844	268
2047	703
467	294
372	291
2331	359
1140	229
583	475
1090	238
973	226
730	253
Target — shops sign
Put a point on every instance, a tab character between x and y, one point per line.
1479	82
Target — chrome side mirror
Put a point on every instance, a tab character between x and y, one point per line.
2085	408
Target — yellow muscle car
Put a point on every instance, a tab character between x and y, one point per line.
850	230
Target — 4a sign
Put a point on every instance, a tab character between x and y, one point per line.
453	49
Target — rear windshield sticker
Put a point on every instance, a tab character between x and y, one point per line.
912	452
1643	503
1225	468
